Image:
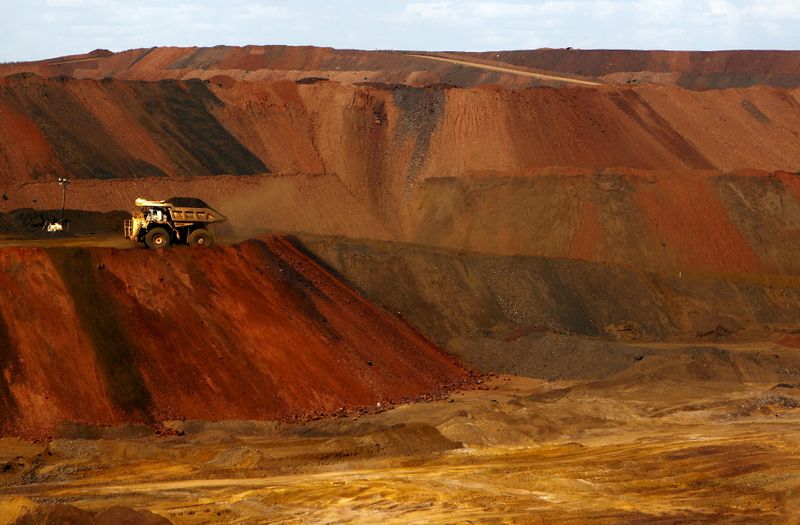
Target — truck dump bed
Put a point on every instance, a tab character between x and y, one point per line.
196	215
188	209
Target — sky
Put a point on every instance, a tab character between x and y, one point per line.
36	29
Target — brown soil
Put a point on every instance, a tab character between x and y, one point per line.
622	175
666	222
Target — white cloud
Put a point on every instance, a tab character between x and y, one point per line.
778	10
261	11
723	8
433	10
500	9
65	3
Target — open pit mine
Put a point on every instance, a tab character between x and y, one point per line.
550	286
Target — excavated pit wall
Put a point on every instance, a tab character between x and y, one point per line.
381	140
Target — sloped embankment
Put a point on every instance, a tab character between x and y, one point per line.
454	294
557	318
253	331
666	222
111	129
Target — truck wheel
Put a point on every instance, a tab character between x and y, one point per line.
201	237
157	238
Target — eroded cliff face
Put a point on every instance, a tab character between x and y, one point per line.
252	331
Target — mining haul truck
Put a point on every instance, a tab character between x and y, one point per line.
180	220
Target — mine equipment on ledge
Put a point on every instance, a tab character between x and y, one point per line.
62	224
180	220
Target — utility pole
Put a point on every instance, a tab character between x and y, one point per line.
64	182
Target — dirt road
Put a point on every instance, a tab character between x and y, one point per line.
77	241
512	71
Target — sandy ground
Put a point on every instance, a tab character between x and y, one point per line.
514	450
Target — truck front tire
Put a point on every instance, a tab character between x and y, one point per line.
200	237
157	238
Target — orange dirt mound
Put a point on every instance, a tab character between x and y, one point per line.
253	331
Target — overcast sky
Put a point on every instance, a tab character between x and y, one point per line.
35	29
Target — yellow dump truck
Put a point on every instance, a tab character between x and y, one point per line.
180	220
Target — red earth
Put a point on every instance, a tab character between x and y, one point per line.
252	331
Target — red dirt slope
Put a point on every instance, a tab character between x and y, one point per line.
254	331
381	140
101	130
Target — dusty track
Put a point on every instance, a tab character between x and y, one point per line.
509	70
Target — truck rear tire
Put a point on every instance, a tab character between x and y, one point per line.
157	238
201	238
